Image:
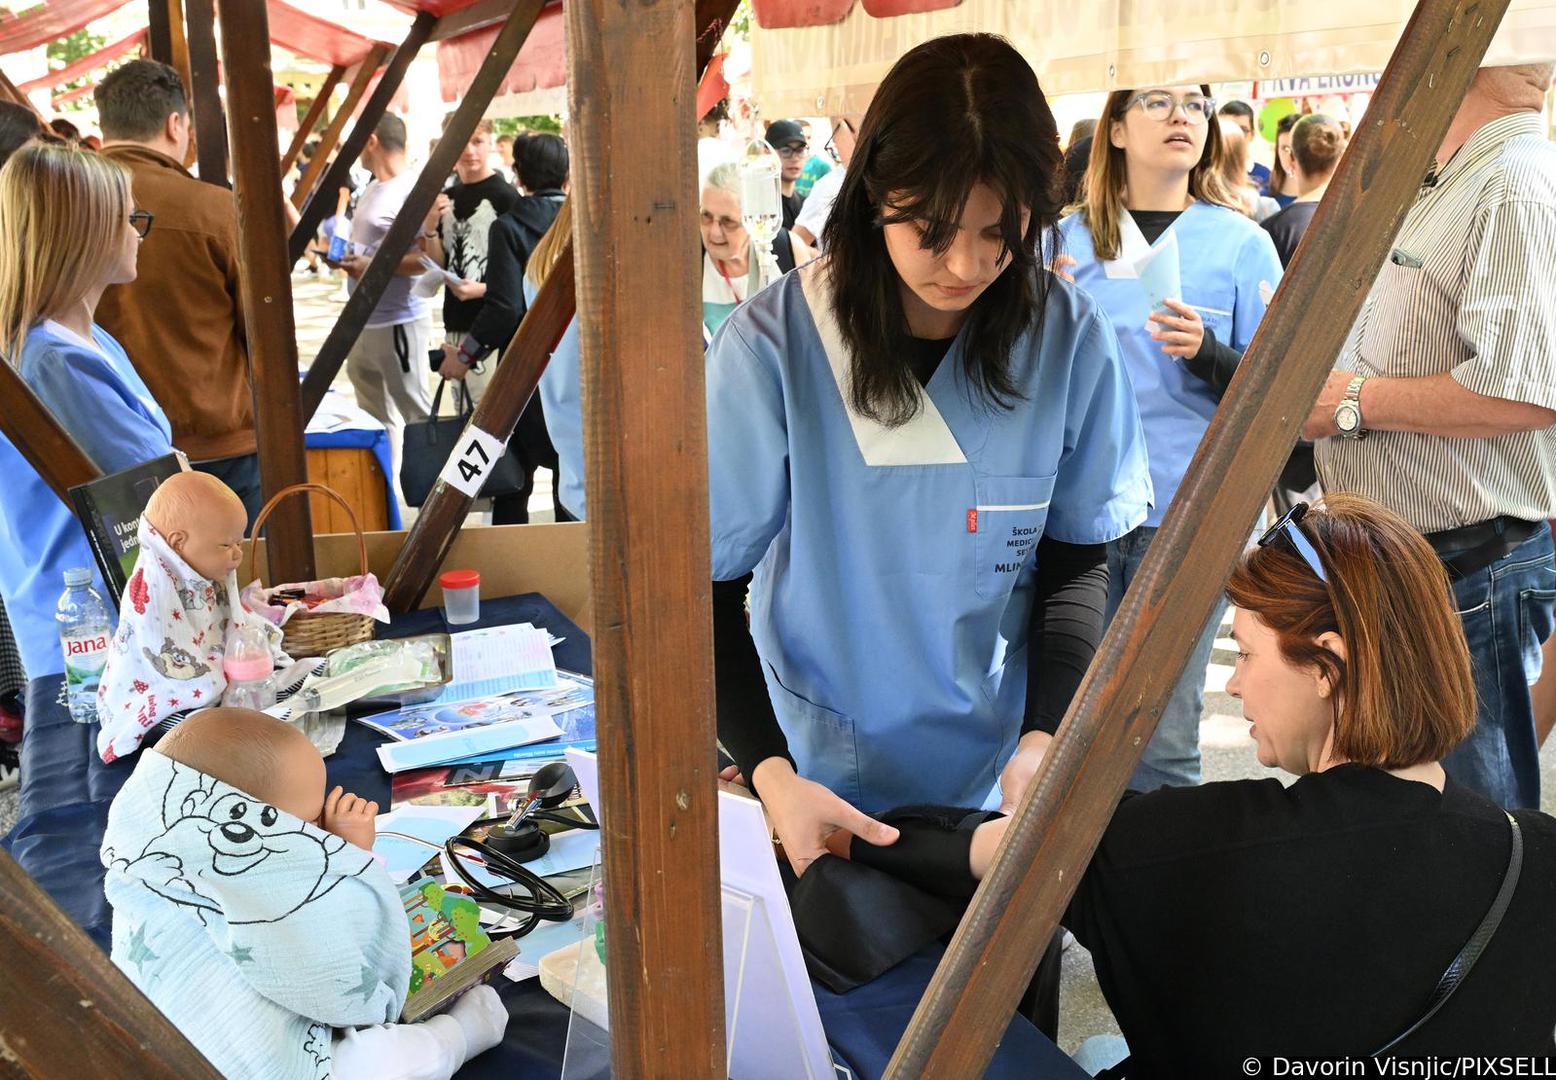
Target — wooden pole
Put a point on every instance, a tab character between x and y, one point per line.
40	439
518	373
631	88
11	92
266	283
209	119
407	223
159	35
66	1009
337	124
1053	834
321	201
310	121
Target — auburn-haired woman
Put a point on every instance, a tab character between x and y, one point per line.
1251	918
1158	216
71	231
918	446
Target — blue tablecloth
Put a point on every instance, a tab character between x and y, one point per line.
66	790
374	439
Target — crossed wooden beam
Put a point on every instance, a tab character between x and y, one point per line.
630	74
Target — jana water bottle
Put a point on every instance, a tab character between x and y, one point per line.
84	631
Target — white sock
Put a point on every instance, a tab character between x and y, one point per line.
482	1017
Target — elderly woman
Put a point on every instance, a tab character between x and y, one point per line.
729	274
1320	918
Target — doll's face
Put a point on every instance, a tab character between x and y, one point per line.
211	542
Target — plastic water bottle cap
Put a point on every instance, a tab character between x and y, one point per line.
78	575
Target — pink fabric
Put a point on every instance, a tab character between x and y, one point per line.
316	38
779	14
436	7
87	64
541	63
44	21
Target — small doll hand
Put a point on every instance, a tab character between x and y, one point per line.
349	817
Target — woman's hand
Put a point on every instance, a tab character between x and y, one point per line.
467	290
350	818
1064	266
805	814
1181	333
1022	766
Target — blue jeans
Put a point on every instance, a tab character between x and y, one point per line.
1171	759
1507	614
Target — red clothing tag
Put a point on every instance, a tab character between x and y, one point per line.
972	520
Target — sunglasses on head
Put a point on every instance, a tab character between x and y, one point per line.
1287	527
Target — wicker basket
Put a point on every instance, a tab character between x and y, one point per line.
307	633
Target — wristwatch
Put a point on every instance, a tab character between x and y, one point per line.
1348	414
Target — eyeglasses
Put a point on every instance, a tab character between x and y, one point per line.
794	150
1159	105
831	147
1287	526
728	224
140	221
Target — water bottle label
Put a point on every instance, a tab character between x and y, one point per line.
85	656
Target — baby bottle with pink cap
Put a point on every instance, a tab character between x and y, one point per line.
248	666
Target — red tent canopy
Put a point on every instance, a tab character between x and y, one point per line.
316	38
540	65
434	7
86	64
779	14
44	21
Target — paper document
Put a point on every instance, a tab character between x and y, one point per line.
499	660
431	826
1158	272
465	745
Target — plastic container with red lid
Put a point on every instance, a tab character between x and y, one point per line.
461	596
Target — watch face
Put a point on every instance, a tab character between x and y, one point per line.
1346	418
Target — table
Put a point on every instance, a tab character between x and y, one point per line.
67	789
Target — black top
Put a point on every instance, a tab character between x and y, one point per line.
1247	918
1154	222
1063	632
791	209
1286	228
464	231
514	237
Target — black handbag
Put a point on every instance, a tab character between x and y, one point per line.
428	444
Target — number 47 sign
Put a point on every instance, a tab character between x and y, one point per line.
475	456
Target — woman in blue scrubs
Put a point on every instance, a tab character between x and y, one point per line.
918	447
74	231
1157	216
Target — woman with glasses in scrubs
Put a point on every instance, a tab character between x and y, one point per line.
919	446
1184	279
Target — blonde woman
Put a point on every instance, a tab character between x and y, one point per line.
1156	193
72	231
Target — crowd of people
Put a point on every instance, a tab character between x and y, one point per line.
946	419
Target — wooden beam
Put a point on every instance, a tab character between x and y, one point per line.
74	1013
40	439
265	285
321	202
331	136
159	35
1053	834
321	101
478	16
509	391
209	118
408	221
631	79
518	373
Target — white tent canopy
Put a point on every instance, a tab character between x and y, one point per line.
1098	45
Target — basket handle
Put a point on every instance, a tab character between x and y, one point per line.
275	499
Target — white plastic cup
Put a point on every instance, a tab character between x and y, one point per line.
461	596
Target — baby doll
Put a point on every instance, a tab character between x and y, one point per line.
178	609
250	909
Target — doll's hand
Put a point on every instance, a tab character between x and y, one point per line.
350	818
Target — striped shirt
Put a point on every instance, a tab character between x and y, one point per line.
1469	288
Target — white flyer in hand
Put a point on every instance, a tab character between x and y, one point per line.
475	456
1158	272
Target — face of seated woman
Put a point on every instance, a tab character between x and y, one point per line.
1291	707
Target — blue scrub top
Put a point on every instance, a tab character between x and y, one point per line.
98	397
894	567
562	402
1228	270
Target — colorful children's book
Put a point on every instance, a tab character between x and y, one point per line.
450	951
110	508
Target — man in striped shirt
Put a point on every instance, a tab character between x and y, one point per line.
1445	395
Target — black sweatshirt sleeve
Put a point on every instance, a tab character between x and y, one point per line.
1066	628
504	304
1215	363
748	726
